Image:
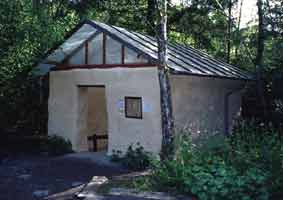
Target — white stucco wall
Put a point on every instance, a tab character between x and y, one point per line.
119	82
198	103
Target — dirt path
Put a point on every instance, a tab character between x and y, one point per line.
26	177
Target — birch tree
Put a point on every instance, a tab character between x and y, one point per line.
229	30
165	90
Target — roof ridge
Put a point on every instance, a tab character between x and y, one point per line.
182	59
114	36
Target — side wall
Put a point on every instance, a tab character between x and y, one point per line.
119	82
198	103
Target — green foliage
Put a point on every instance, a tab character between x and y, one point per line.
261	146
26	34
136	158
56	146
249	165
116	156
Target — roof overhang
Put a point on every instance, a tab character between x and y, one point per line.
182	60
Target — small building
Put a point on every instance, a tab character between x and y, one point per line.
103	81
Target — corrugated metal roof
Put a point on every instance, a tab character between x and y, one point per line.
181	59
72	43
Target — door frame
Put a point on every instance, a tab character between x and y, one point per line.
93	137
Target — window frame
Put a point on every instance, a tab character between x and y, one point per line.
126	107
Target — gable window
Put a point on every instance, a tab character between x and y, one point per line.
133	107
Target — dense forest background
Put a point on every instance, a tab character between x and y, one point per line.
29	28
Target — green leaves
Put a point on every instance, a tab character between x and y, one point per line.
234	170
136	158
25	36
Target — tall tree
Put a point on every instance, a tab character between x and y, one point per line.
260	36
150	17
238	28
26	34
165	90
229	30
259	55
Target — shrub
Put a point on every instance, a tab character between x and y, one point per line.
207	176
57	145
248	165
136	158
116	156
261	146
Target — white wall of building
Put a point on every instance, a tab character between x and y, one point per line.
198	103
119	82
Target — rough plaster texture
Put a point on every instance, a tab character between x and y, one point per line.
64	105
198	103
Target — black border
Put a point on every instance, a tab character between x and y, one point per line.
126	111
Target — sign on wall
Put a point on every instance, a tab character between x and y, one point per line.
146	107
121	105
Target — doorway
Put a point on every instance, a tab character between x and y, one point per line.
93	119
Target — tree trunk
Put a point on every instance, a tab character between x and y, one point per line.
238	29
165	90
229	32
259	56
150	17
260	37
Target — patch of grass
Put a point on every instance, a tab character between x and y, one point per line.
143	184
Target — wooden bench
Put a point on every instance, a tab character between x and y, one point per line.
93	140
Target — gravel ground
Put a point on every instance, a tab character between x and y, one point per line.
26	177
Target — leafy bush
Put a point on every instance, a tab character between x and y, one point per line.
116	156
136	158
261	146
247	165
57	145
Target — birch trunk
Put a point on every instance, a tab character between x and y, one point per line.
165	90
